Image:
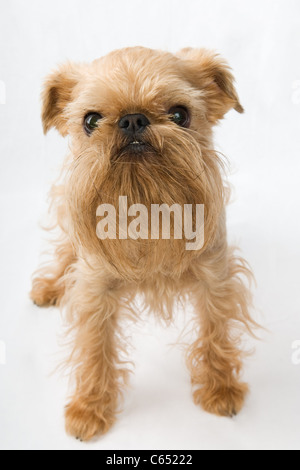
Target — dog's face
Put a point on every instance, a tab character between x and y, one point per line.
140	123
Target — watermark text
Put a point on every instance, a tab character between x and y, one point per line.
2	353
296	353
160	222
296	92
2	92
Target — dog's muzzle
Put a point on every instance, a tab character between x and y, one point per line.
133	125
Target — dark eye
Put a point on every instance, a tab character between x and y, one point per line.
91	122
180	116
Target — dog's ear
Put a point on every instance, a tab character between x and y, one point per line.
57	94
209	72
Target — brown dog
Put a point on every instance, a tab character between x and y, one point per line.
141	124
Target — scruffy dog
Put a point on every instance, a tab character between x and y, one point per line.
140	124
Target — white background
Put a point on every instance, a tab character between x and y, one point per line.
261	40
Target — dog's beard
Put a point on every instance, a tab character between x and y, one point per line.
160	169
166	170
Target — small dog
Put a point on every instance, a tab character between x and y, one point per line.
140	124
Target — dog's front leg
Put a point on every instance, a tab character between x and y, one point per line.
93	310
215	359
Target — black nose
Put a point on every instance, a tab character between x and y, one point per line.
133	124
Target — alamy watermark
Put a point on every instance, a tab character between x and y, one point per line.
296	92
161	222
2	353
2	92
296	353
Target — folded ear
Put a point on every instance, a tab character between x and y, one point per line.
207	71
57	94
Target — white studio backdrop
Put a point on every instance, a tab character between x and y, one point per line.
261	40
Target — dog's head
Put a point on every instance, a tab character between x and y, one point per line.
140	125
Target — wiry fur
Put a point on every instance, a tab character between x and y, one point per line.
96	281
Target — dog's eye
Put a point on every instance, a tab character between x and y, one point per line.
180	116
91	122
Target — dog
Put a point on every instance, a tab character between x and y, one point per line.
140	124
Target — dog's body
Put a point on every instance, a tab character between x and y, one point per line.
140	123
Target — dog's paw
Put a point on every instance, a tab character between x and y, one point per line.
222	401
44	292
85	421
